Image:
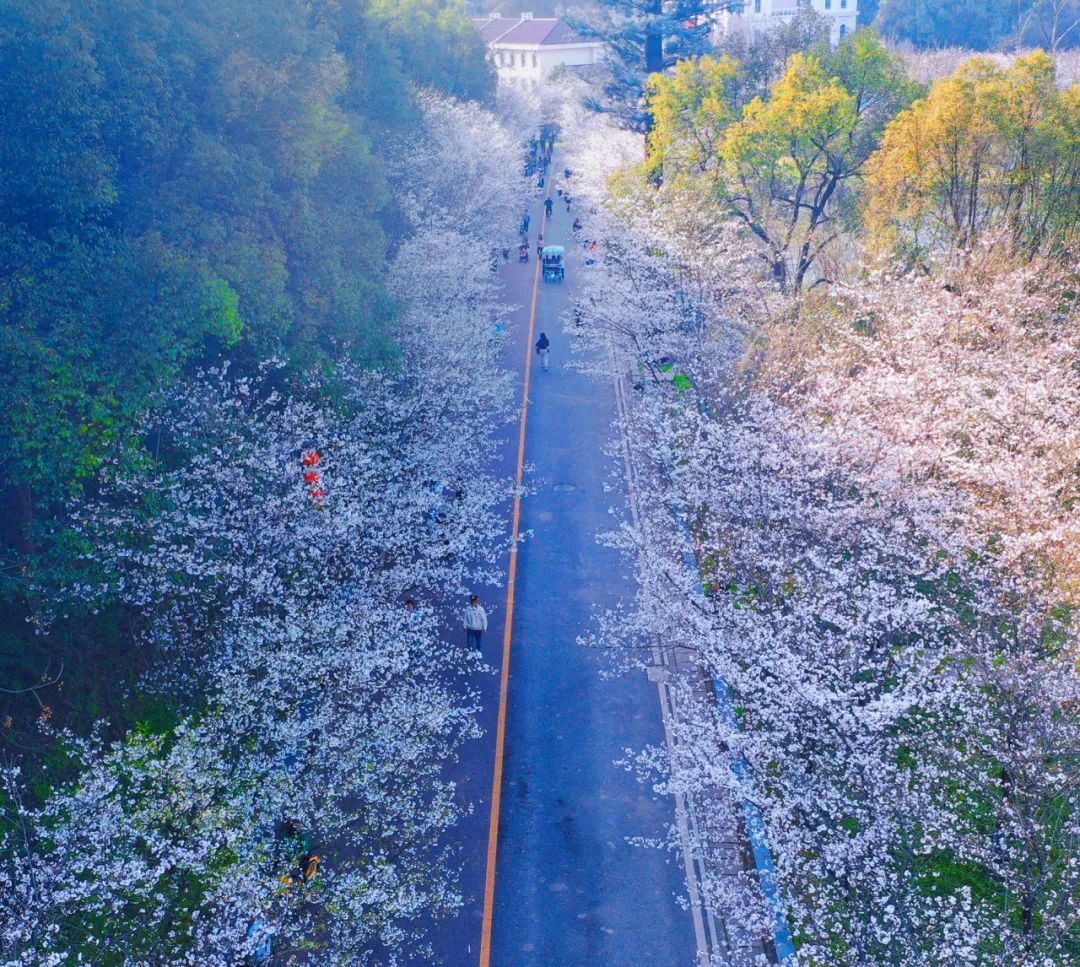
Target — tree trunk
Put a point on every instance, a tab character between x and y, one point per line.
654	56
24	520
779	271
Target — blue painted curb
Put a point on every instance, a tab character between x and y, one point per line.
782	941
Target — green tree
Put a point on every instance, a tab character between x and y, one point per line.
785	166
692	106
980	24
437	45
645	37
182	181
181	177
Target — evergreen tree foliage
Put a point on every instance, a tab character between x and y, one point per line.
645	37
182	181
180	177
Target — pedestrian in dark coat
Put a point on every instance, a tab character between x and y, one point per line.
543	349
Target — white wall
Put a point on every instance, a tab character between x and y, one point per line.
843	15
570	55
522	68
532	64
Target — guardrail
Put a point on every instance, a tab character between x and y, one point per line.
781	938
755	831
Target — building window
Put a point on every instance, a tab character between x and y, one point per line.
534	58
757	6
843	31
828	4
843	4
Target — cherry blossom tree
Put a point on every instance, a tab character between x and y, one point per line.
894	634
290	554
968	384
464	172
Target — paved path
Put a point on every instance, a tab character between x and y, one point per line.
569	889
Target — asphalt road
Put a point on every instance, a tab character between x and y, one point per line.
569	888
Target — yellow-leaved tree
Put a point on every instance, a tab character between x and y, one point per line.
989	150
784	165
692	107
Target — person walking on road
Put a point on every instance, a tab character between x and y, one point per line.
475	621
539	246
548	205
543	349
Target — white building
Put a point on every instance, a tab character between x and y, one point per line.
527	49
759	15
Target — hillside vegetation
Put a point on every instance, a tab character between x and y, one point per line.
181	181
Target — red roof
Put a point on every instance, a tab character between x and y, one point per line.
532	31
495	27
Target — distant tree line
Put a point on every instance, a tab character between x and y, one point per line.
977	24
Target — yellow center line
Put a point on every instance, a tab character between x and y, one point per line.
504	678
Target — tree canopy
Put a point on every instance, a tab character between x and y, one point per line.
856	506
182	182
783	164
990	149
285	557
976	24
180	178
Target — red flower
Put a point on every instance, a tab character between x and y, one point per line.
311	478
318	494
310	458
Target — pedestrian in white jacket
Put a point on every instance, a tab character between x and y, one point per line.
475	622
